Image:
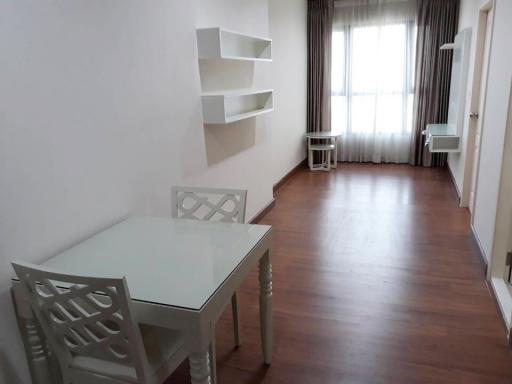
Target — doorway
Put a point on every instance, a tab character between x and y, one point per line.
479	88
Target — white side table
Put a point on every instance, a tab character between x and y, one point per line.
326	144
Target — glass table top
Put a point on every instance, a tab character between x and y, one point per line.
320	135
175	262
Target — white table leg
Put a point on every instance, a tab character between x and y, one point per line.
235	307
265	278
38	356
213	357
335	153
200	367
310	155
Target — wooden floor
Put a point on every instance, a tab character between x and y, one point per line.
376	280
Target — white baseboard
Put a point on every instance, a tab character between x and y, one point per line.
504	298
454	182
499	287
482	252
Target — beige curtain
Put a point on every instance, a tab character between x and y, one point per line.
437	24
372	90
320	15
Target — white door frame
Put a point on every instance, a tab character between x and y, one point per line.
476	94
497	271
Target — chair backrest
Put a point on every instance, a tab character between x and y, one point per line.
85	318
215	204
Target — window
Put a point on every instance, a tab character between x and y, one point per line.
372	84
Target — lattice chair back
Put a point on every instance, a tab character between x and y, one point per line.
87	322
215	204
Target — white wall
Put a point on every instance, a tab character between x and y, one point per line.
494	126
468	16
494	119
233	149
288	28
100	114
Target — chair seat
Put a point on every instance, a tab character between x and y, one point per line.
164	350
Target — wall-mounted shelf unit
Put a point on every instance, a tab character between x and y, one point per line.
219	43
447	137
442	138
223	107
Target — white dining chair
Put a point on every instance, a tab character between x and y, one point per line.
212	204
89	326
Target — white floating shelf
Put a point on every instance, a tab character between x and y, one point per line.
218	43
447	46
442	138
223	107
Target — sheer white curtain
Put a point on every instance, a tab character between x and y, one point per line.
372	79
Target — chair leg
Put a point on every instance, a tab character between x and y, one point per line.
235	307
213	357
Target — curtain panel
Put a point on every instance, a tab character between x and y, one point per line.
320	14
437	24
372	80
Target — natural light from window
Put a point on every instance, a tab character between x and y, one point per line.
372	79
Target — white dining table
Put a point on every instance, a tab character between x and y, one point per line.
181	275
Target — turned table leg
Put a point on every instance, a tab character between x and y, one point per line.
265	278
200	367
